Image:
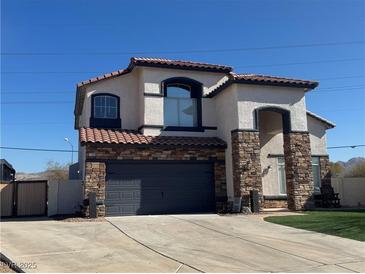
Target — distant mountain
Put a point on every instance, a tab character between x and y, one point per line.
354	167
352	162
54	171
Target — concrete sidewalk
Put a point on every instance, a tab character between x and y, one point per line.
183	243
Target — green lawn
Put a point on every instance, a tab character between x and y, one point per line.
346	224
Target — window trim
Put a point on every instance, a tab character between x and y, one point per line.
196	91
279	183
105	122
106	96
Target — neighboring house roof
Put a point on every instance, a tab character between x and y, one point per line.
3	162
323	120
116	136
255	79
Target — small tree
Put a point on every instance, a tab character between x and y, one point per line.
336	169
56	171
357	171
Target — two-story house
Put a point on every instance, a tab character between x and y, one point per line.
167	136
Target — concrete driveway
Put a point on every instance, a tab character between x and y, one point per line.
177	243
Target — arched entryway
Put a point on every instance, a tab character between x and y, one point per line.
285	160
272	136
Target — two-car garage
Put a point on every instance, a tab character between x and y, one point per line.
159	187
129	173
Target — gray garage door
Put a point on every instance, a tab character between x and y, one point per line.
159	188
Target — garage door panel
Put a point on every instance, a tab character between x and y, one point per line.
158	188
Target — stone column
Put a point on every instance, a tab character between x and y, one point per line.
220	186
246	164
95	182
324	165
298	169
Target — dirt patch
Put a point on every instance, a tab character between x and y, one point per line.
264	214
5	268
77	219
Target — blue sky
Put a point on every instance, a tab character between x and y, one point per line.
117	30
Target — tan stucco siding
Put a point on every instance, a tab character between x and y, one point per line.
81	161
126	87
272	142
152	78
227	120
317	134
150	83
252	97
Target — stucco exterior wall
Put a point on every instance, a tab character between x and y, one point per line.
150	83
227	120
317	135
81	160
152	78
271	139
271	142
126	87
251	97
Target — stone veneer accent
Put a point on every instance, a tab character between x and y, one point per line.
325	168
95	173
272	203
246	164
298	169
98	154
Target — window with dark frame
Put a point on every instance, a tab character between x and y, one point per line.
182	104
105	107
179	108
105	111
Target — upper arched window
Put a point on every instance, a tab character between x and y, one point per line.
105	111
105	106
182	103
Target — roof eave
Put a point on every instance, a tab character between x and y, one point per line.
231	81
154	145
329	124
168	66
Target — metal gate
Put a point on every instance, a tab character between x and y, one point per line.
159	187
7	199
24	198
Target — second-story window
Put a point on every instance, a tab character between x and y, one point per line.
105	107
180	109
105	111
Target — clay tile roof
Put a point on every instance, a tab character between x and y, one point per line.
262	80
271	79
158	62
179	64
102	77
117	136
